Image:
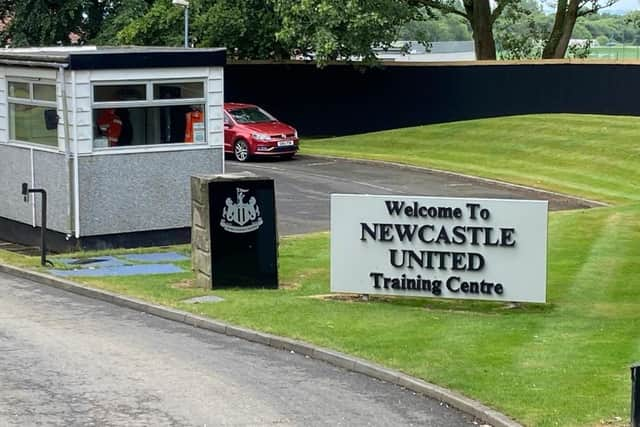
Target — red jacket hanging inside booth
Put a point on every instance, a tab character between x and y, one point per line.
194	129
110	125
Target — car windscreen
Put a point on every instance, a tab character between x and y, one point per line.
251	115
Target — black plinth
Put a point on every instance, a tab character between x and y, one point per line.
244	241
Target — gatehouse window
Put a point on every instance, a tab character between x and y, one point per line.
148	113
33	112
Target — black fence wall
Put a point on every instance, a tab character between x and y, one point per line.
341	99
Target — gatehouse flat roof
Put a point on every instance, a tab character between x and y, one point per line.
105	58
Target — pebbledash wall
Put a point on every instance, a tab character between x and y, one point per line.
100	197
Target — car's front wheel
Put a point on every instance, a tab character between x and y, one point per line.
241	150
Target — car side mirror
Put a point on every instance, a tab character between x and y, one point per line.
50	119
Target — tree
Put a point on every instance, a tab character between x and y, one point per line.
567	13
7	10
334	29
341	29
519	32
246	27
118	17
439	28
50	22
159	25
481	17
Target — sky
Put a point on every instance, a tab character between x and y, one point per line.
620	7
624	6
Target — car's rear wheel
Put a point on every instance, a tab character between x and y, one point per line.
241	150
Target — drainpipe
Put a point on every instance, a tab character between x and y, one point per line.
67	152
76	152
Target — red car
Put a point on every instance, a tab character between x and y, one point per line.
250	131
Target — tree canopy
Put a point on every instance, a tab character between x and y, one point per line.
247	27
50	22
339	29
322	29
334	29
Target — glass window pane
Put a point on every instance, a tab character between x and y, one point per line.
19	90
251	115
118	127
119	93
178	90
27	123
44	92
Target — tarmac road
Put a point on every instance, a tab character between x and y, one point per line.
305	183
66	360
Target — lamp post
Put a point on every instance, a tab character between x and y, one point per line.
185	4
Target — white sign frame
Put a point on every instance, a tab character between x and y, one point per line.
490	249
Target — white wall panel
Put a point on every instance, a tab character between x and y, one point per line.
4	113
215	101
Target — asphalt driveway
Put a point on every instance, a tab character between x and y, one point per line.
304	186
66	360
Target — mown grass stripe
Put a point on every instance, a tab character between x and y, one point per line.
571	346
592	156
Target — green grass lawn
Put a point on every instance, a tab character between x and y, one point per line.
615	52
561	363
591	156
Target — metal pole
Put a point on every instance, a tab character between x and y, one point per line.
635	395
43	240
186	26
43	229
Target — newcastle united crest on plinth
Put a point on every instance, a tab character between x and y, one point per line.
242	216
244	239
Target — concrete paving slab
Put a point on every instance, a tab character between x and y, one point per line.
204	299
125	270
156	257
94	262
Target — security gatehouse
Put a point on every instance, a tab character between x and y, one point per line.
113	136
490	249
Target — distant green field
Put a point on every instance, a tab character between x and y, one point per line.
615	52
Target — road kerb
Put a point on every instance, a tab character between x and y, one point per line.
334	358
247	334
457	401
165	312
453	399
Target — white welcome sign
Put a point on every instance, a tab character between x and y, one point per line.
489	249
